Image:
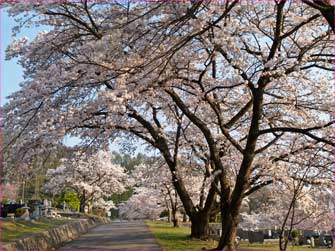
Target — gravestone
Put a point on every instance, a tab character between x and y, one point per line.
215	231
255	237
46	208
307	234
312	242
37	213
242	234
328	241
25	215
275	233
46	203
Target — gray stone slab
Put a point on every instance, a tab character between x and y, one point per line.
126	235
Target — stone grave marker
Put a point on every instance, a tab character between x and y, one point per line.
25	215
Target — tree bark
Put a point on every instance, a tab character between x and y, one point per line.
82	207
175	222
231	202
200	226
326	9
229	223
82	204
169	215
174	218
328	14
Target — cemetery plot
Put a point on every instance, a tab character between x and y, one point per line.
178	239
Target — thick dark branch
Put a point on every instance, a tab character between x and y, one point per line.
269	144
234	119
257	187
77	20
224	130
90	17
25	126
305	131
326	9
250	51
154	115
211	195
283	156
146	124
214	153
176	143
289	33
278	29
162	144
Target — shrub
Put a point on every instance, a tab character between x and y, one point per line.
295	234
19	212
164	213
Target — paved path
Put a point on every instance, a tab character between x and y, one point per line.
126	235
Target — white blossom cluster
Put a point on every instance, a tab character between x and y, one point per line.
93	177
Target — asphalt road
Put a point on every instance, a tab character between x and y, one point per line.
126	235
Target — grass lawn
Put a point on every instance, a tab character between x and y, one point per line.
172	238
11	230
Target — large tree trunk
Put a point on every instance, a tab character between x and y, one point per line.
169	215
82	204
229	229
283	241
174	218
231	202
175	222
82	207
200	226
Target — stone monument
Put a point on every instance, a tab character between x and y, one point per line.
25	215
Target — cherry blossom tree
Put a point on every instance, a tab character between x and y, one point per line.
305	197
299	198
288	209
31	177
162	185
243	85
145	203
93	177
9	191
157	177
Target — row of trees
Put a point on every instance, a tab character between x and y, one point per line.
240	92
94	179
28	183
75	176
